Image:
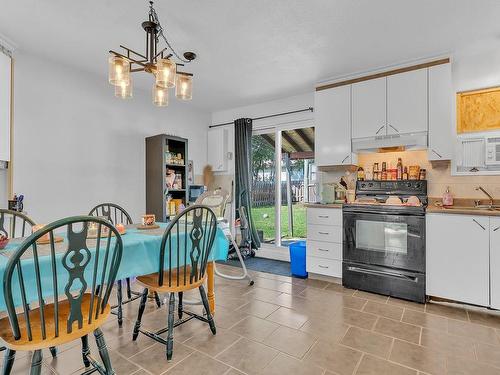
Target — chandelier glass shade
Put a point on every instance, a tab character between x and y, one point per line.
160	96
165	73
123	90
119	71
184	87
163	64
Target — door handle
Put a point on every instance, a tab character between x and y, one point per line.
323	233
382	273
397	131
477	222
437	153
378	131
320	266
324	216
343	160
325	250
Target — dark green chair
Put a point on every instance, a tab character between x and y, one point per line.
118	215
189	238
15	224
76	309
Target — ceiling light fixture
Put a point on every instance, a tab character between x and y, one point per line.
160	63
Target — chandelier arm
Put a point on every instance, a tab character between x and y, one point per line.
137	70
134	52
161	53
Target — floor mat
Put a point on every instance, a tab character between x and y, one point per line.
276	267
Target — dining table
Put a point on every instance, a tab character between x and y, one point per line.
140	256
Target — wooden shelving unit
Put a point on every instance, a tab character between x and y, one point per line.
157	165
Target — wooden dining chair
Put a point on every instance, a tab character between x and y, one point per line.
118	215
49	290
183	257
15	224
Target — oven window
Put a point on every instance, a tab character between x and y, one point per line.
381	236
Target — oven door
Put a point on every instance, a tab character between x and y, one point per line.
383	239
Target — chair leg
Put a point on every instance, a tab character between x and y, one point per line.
36	363
210	319
120	299
170	335
53	351
103	351
142	306
129	289
8	361
179	305
157	299
85	350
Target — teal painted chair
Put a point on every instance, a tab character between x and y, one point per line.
75	268
118	215
182	263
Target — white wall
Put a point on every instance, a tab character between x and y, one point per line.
76	145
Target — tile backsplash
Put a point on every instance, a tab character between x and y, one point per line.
438	174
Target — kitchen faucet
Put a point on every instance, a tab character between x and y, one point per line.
487	194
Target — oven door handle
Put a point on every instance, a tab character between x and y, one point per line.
383	273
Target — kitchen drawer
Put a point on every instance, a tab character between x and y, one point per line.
327	250
326	233
324	216
322	266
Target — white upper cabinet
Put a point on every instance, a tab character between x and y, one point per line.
332	136
369	108
407	102
457	257
441	112
217	149
495	262
5	66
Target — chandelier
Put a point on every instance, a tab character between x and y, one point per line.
160	63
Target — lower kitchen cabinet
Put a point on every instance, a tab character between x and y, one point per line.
324	241
495	262
457	258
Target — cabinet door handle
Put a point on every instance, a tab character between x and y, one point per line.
497	228
437	153
343	160
323	233
477	222
378	131
397	131
324	216
325	250
321	266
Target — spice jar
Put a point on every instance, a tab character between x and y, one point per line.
422	174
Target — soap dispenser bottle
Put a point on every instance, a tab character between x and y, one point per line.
447	197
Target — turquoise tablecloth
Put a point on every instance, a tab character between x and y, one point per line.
140	257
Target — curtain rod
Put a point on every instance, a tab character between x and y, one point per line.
309	109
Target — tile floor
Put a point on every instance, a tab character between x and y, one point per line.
302	327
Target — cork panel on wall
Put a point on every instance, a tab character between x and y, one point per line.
478	110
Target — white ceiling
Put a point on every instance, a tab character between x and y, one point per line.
254	50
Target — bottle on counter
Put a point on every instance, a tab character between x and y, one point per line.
447	197
361	174
405	173
422	174
383	174
399	169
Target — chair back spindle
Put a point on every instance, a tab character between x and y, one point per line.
88	262
193	234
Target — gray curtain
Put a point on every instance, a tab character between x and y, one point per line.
243	171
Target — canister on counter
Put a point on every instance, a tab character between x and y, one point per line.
422	174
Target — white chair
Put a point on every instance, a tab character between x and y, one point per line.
217	201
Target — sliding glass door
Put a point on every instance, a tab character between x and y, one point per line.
283	164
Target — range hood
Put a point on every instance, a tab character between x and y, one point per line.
408	141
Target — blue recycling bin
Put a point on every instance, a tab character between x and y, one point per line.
298	259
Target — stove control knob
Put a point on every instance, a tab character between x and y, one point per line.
370	184
408	184
363	185
418	185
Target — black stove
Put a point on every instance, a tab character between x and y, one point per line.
384	244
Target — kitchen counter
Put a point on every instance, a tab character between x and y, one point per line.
320	205
461	206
